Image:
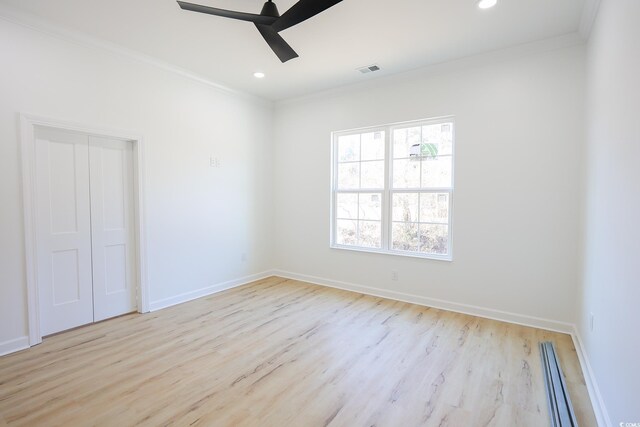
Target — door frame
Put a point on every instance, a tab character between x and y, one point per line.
28	124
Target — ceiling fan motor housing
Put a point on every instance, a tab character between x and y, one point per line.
270	9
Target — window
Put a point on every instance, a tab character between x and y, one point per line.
392	189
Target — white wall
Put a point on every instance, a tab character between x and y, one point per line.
518	160
199	219
611	272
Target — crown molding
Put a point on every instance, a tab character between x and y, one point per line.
451	66
31	22
588	18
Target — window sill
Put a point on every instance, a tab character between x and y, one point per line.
447	258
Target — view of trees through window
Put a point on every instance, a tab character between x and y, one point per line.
392	188
361	181
422	165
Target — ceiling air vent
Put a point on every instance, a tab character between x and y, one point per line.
368	69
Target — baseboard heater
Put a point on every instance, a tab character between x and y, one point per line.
560	408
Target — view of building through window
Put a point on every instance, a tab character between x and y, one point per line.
392	188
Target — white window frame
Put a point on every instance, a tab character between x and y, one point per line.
388	190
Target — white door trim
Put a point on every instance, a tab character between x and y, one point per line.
27	144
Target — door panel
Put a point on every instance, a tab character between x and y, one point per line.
62	179
65	276
63	230
112	225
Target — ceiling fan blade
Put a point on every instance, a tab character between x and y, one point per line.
243	16
276	43
302	11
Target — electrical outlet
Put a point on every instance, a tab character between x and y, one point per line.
591	322
214	162
394	275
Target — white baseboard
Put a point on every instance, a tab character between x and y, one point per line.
199	293
489	313
14	345
599	408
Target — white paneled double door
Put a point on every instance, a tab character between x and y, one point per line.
85	244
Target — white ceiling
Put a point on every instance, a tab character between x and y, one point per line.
399	35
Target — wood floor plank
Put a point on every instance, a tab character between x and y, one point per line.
280	352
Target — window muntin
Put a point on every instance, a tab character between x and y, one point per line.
393	189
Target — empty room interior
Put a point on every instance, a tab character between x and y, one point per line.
320	213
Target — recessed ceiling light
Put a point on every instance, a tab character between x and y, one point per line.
486	4
258	75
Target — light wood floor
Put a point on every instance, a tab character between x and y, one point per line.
285	353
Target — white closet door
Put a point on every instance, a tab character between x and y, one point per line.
112	226
63	230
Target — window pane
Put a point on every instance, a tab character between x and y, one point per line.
348	176
372	147
434	239
370	234
405	207
371	206
346	232
406	173
406	142
349	148
405	236
372	174
437	139
347	206
434	207
400	148
436	172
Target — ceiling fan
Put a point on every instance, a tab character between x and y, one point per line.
269	22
